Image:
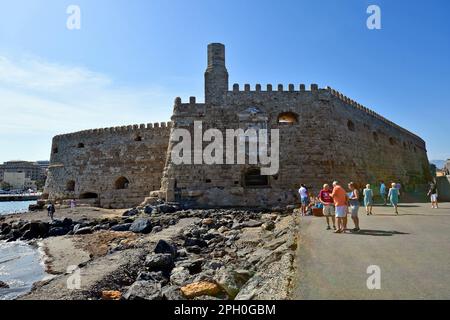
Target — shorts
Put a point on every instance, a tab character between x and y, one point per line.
354	211
304	200
341	211
434	197
328	210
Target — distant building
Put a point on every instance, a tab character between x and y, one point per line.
447	167
34	171
18	180
43	164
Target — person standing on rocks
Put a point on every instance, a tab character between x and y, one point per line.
353	197
368	199
432	193
393	196
51	210
328	205
383	193
304	198
340	202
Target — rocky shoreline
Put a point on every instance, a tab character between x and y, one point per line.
162	252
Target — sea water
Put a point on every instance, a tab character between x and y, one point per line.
20	263
20	267
15	206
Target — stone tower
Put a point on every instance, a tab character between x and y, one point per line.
216	75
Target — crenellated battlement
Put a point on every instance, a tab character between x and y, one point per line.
272	88
369	111
152	127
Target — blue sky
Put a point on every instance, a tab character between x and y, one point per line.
130	59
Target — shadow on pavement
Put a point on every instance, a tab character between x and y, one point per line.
366	232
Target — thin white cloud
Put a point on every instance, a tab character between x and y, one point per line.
38	96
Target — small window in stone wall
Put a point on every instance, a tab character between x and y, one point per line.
121	183
375	137
350	125
137	138
253	178
80	145
287	118
55	150
70	186
392	141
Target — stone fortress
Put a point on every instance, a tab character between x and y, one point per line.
324	136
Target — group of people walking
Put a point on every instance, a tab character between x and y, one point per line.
337	203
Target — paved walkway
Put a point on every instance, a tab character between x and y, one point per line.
412	251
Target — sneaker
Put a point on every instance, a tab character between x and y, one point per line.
328	228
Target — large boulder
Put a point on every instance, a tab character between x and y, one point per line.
159	262
165	247
231	281
165	208
144	290
141	225
34	230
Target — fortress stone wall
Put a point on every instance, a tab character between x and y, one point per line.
112	167
324	136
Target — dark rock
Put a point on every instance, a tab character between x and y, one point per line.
121	227
190	242
194	266
4	285
141	226
67	222
34	230
165	208
6	229
130	213
128	220
57	231
148	209
152	276
144	290
84	230
165	247
28	235
13	235
159	262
